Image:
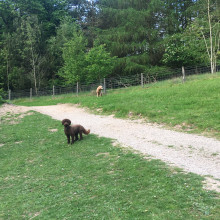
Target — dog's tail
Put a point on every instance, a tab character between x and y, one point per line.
86	131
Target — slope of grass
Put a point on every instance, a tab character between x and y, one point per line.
42	177
193	105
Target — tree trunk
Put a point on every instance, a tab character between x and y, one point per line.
210	37
8	74
34	70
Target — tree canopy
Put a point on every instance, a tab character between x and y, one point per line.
45	42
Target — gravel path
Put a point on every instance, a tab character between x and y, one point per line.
193	153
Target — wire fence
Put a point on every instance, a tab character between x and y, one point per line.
142	79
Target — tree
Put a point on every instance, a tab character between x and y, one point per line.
74	58
64	33
31	52
176	15
6	16
5	55
183	50
45	40
214	35
126	29
135	30
206	27
99	63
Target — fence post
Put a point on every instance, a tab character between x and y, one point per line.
196	71
183	73
30	93
53	90
142	80
77	88
9	95
104	86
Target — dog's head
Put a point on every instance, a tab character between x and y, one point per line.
66	122
99	88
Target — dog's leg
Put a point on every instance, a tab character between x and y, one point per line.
72	136
80	133
68	139
76	137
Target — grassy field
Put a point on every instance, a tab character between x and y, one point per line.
42	177
192	106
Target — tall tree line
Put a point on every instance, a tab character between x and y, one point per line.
45	42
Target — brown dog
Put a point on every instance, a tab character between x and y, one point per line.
73	130
99	91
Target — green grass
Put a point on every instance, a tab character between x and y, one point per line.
43	177
193	106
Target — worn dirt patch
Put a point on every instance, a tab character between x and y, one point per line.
53	130
11	114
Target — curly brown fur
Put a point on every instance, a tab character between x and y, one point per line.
73	130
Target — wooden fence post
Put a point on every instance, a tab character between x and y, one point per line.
53	90
142	80
77	88
196	71
104	86
9	95
183	73
30	93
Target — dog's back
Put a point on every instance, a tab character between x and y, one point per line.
79	129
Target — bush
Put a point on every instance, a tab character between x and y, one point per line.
159	73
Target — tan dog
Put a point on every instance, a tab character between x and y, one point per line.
99	91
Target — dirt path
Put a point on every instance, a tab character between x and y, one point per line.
193	153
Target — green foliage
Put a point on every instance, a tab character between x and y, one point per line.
1	89
206	29
44	178
74	58
35	60
126	30
136	28
6	58
183	50
140	33
13	15
80	65
133	68
99	63
64	33
131	65
155	73
1	95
